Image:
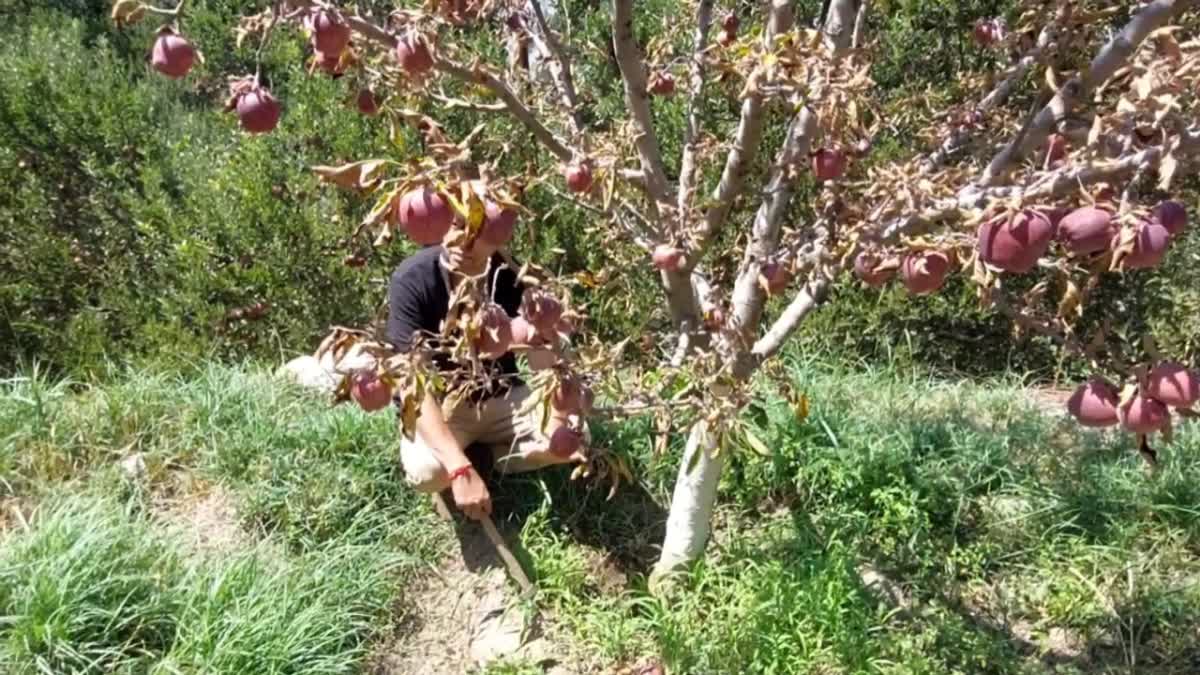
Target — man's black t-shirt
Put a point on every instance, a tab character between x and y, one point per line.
419	300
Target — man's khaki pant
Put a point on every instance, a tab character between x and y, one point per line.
497	423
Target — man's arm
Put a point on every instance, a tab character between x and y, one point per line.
431	425
470	492
407	295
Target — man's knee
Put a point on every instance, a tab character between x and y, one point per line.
421	469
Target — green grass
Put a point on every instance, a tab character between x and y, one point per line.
1017	543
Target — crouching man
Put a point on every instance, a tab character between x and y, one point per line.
491	416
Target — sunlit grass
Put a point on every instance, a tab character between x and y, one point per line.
999	525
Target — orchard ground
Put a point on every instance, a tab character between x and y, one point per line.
221	522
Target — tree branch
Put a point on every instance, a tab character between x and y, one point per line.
860	24
691	132
748	297
838	28
479	75
633	75
1111	58
562	73
809	297
1054	184
999	94
745	142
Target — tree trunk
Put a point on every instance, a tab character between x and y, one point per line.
690	519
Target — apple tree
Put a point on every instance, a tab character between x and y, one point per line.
1034	205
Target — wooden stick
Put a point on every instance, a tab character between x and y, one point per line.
510	561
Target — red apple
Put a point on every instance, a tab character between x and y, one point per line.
568	397
542	310
330	33
522	331
776	276
565	442
366	102
829	164
865	265
495	332
172	55
1015	244
662	84
1173	384
1171	215
1086	230
1144	415
1094	403
425	215
498	224
925	271
413	54
1056	148
258	111
667	258
369	391
579	177
1149	246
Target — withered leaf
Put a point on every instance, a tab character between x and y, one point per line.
354	176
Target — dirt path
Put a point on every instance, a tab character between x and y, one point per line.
467	613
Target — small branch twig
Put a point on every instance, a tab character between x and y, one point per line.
691	132
262	43
469	105
745	140
166	12
566	83
1000	93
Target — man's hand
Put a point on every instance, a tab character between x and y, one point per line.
471	495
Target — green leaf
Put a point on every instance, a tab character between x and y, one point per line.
756	444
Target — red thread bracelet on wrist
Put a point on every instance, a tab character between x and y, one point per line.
460	472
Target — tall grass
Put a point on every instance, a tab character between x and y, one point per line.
94	587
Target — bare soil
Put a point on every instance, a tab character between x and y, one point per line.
467	613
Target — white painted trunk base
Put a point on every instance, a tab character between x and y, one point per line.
690	519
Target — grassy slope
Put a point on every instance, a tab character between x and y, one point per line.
993	523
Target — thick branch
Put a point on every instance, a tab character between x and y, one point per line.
1054	184
1111	58
860	24
475	75
633	74
500	89
691	132
1062	182
809	297
745	140
748	297
1047	329
839	24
